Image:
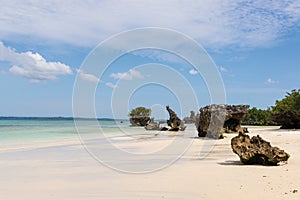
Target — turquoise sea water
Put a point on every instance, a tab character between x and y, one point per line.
28	129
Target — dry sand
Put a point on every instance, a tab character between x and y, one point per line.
65	170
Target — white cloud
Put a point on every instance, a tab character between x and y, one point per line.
88	77
226	71
111	85
214	23
32	65
223	69
193	72
271	81
130	75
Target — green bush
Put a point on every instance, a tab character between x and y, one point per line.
258	117
286	112
140	112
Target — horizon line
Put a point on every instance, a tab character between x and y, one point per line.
58	117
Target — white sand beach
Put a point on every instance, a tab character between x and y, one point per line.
64	170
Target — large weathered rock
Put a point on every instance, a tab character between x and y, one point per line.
214	120
174	122
257	151
139	121
234	117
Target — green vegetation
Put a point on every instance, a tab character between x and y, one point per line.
286	112
140	112
258	117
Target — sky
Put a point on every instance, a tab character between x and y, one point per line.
44	46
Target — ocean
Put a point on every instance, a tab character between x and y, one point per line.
116	145
19	131
98	136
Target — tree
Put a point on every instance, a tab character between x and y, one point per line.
286	112
140	112
258	117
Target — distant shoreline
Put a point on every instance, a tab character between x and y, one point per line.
59	118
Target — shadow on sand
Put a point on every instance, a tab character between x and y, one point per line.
231	163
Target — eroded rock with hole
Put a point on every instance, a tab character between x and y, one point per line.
214	120
255	150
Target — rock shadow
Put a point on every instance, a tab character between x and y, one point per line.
231	163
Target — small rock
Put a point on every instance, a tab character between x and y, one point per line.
152	126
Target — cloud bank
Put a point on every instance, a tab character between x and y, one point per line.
32	65
213	23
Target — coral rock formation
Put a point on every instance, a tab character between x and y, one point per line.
214	120
174	122
257	151
152	125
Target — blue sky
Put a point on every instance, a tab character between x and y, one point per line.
254	44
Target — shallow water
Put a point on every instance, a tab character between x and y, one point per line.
20	130
20	134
